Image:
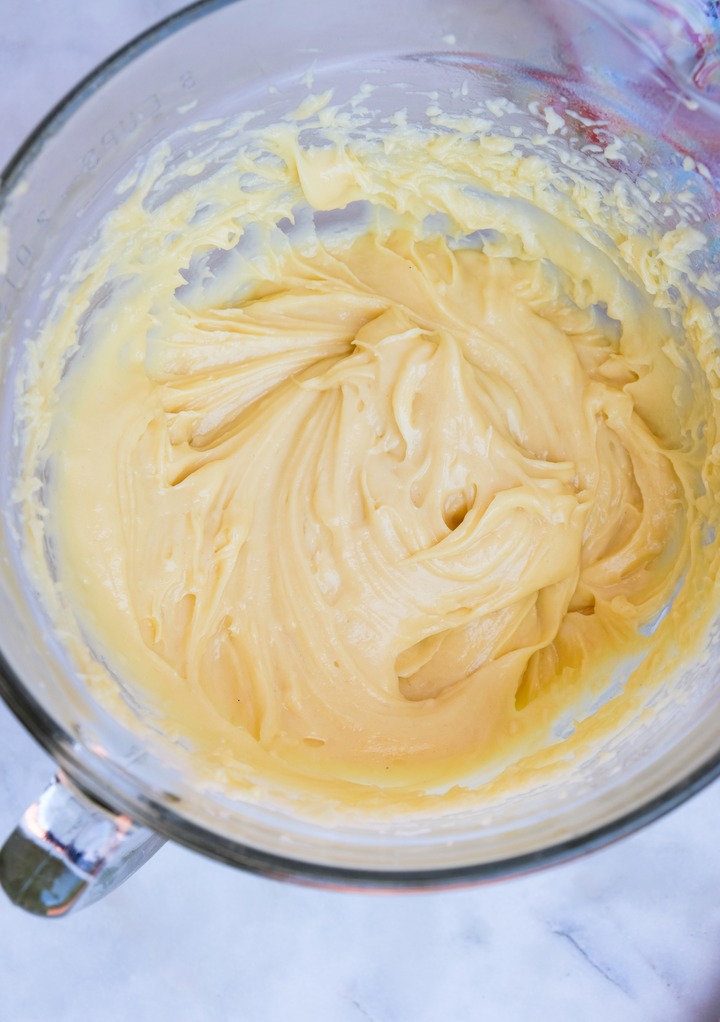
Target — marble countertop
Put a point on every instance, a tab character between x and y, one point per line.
631	933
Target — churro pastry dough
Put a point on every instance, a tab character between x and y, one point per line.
370	458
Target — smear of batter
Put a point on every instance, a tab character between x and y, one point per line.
370	456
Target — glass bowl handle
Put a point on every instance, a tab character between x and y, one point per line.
684	34
68	851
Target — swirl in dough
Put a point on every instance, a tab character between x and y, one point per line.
372	461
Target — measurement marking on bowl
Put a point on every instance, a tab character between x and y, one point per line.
131	121
23	258
126	126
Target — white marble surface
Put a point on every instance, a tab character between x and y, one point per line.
631	933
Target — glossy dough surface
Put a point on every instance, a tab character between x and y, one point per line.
377	457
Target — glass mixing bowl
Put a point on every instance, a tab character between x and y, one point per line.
634	69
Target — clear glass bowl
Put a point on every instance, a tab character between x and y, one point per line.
644	70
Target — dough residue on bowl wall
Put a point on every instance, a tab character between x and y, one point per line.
375	450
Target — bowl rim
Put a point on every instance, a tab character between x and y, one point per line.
103	781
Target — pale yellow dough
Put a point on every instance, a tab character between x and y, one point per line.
367	508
